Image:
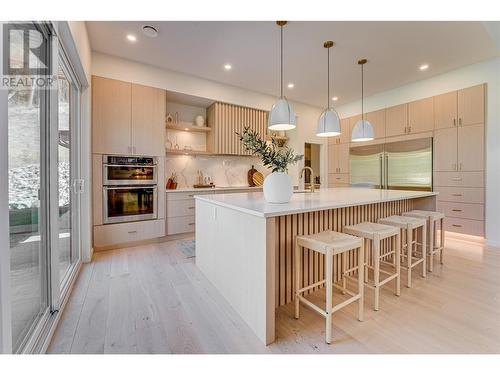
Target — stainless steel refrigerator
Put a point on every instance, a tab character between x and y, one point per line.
404	165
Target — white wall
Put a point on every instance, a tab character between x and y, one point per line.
81	42
483	72
126	70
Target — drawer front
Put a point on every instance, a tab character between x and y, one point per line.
183	224
183	207
113	234
465	179
338	178
464	226
178	196
460	194
462	210
338	184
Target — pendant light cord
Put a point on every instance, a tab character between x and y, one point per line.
328	80
281	61
362	95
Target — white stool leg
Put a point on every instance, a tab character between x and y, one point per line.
376	270
409	250
361	281
344	267
297	279
441	254
432	228
328	270
424	249
398	264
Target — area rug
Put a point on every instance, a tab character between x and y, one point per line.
187	247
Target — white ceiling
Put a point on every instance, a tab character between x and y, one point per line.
394	50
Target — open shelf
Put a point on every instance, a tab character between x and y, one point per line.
186	126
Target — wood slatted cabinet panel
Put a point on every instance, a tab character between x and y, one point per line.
111	116
421	116
396	120
148	120
445	110
228	119
445	149
377	119
471	105
471	148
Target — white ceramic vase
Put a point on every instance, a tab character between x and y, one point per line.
278	188
199	121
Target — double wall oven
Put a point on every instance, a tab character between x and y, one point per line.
130	188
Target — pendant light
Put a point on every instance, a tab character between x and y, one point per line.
329	121
282	116
362	130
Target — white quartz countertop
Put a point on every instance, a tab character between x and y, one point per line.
323	199
217	188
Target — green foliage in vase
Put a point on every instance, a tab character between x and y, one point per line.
274	157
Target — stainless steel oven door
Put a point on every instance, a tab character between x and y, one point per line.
129	174
129	203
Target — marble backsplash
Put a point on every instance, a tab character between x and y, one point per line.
223	170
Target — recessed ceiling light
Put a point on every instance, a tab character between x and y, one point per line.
150	31
335	98
131	37
290	85
424	67
228	66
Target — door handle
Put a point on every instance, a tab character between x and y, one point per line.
460	121
454	166
456	195
454	122
460	166
456	210
132	231
456	225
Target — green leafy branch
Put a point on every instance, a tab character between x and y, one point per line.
274	157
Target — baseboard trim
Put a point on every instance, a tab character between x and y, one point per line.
492	243
144	242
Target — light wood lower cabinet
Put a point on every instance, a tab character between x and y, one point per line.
115	234
470	148
338	158
459	179
460	194
464	226
180	224
338	179
445	149
472	211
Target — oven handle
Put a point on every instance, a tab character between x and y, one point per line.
129	187
131	165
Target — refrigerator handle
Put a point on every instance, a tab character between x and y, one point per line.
386	180
381	171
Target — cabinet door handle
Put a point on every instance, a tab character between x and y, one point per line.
409	129
132	231
456	210
337	178
454	166
460	166
456	225
191	224
454	122
191	208
457	178
406	129
460	121
456	195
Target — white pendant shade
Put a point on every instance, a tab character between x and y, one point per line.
282	116
362	131
328	124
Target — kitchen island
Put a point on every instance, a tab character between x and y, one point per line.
244	245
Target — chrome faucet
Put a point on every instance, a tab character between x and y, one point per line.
311	184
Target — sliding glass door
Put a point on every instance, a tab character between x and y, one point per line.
43	155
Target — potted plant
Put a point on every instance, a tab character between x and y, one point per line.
277	185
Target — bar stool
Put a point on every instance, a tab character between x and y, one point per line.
408	225
432	218
376	233
330	244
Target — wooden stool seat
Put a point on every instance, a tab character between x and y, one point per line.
329	243
376	233
407	225
432	218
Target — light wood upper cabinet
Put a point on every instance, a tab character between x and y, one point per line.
445	110
345	135
148	120
377	119
471	148
445	149
420	116
111	110
471	105
338	158
396	120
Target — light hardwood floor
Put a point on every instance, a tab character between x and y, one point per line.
151	299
